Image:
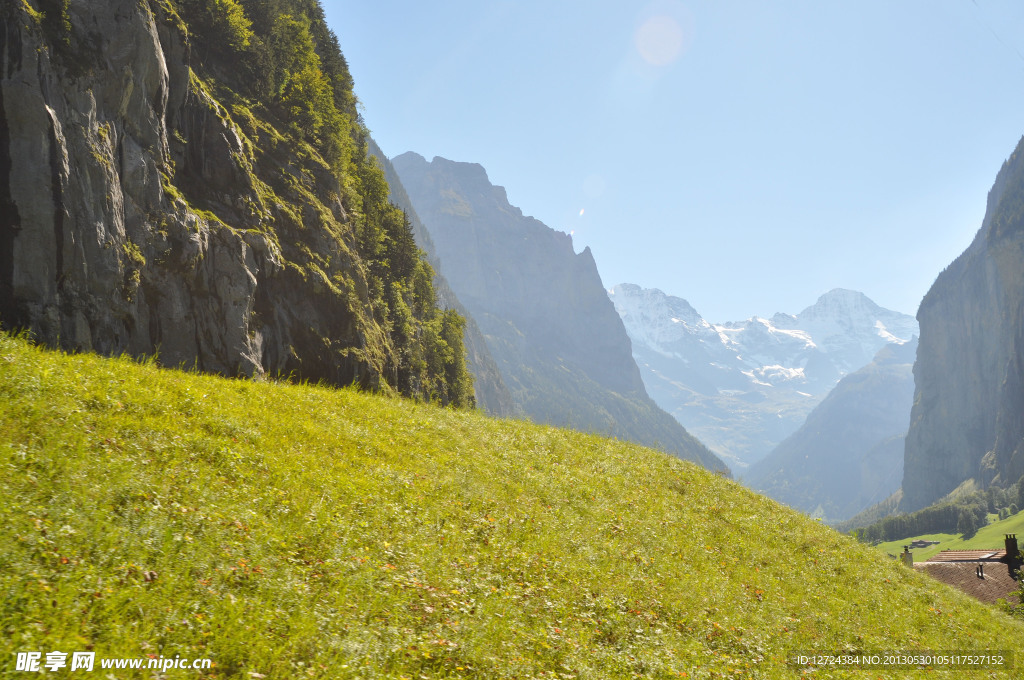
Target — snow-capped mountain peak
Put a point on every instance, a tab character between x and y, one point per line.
658	320
790	359
844	325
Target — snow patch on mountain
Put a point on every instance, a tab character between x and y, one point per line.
723	380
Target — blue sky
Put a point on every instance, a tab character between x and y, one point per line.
746	156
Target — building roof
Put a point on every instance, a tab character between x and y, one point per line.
968	556
996	583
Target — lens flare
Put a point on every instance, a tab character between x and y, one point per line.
660	40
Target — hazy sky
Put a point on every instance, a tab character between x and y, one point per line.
747	156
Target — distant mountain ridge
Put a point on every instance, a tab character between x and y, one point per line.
490	391
743	387
561	348
848	454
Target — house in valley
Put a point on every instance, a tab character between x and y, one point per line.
987	575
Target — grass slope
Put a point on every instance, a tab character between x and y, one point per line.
290	532
990	536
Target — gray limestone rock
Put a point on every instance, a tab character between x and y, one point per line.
136	216
968	416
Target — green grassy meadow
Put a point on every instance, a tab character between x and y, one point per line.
288	531
990	536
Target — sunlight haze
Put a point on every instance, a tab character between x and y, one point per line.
745	156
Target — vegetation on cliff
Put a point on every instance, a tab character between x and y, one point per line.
222	173
280	61
291	531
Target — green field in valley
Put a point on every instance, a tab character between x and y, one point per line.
991	536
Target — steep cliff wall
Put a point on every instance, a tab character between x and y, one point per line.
968	416
150	205
491	392
561	348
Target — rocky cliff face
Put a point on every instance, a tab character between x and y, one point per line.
145	209
848	454
560	346
968	415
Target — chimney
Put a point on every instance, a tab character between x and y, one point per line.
1011	547
907	557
